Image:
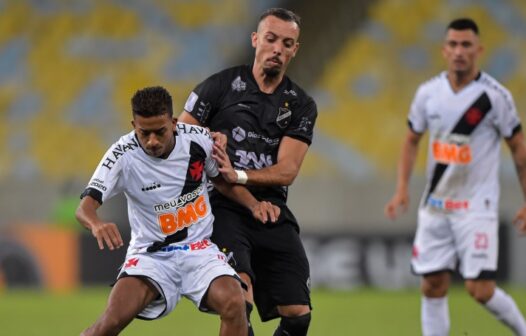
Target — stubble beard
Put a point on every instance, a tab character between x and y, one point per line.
272	72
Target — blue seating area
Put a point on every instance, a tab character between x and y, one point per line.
366	89
69	68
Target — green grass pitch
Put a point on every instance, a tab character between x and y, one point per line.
357	312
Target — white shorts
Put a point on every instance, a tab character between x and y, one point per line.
444	239
180	270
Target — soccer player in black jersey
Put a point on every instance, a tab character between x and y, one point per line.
268	121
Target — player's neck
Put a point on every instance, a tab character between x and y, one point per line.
266	84
171	147
459	80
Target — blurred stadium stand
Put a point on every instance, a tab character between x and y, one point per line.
364	92
69	68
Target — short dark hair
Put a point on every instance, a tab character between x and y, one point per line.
464	24
152	101
281	13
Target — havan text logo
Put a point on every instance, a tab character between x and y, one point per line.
119	151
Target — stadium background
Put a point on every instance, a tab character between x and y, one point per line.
69	68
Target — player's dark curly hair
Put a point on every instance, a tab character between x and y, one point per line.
281	13
464	24
152	101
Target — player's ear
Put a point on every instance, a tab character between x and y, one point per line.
480	49
444	51
133	120
296	48
254	38
174	123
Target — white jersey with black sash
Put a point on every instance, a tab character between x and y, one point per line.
167	198
465	129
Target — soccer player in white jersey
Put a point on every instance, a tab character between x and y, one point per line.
466	112
162	168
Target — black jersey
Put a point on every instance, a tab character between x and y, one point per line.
255	122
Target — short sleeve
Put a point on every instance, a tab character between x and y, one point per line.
211	168
106	180
204	100
302	125
507	120
417	114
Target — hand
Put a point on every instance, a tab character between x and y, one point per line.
107	233
520	220
265	211
220	139
225	166
399	200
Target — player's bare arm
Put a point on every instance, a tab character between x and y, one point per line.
405	167
518	152
187	118
105	232
263	211
290	157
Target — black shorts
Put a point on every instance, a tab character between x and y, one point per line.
271	254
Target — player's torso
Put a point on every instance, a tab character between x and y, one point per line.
254	121
463	153
168	195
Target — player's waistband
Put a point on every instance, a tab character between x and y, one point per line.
193	246
198	245
447	204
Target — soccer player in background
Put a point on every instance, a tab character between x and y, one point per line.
162	167
268	120
466	112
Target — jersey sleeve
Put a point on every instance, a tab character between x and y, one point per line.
302	125
203	101
417	113
106	180
507	120
211	168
